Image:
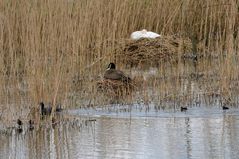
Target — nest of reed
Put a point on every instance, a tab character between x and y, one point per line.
153	51
115	88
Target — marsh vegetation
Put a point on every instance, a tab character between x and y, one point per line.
55	51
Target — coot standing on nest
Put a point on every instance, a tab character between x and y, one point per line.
47	110
112	74
59	108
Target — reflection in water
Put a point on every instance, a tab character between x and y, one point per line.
155	137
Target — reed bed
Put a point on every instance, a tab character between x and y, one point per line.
153	51
52	50
115	90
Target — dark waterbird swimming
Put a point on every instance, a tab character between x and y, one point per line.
47	110
112	74
59	108
183	109
225	108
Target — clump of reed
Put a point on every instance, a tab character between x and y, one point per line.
46	45
115	89
165	48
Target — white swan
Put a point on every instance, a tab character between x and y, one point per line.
143	34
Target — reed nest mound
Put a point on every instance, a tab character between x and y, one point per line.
153	50
115	88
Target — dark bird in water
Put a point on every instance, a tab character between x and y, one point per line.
47	110
19	126
31	125
183	109
112	74
225	108
58	108
19	123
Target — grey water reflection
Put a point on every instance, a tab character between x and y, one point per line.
176	136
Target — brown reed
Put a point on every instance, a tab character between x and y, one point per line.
47	44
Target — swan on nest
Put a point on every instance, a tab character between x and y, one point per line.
143	34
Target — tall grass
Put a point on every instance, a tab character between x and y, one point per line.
46	45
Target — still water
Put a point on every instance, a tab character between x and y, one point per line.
200	132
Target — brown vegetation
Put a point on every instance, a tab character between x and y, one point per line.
153	51
47	44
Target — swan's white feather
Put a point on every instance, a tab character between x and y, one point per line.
143	34
152	35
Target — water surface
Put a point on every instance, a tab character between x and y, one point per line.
111	132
